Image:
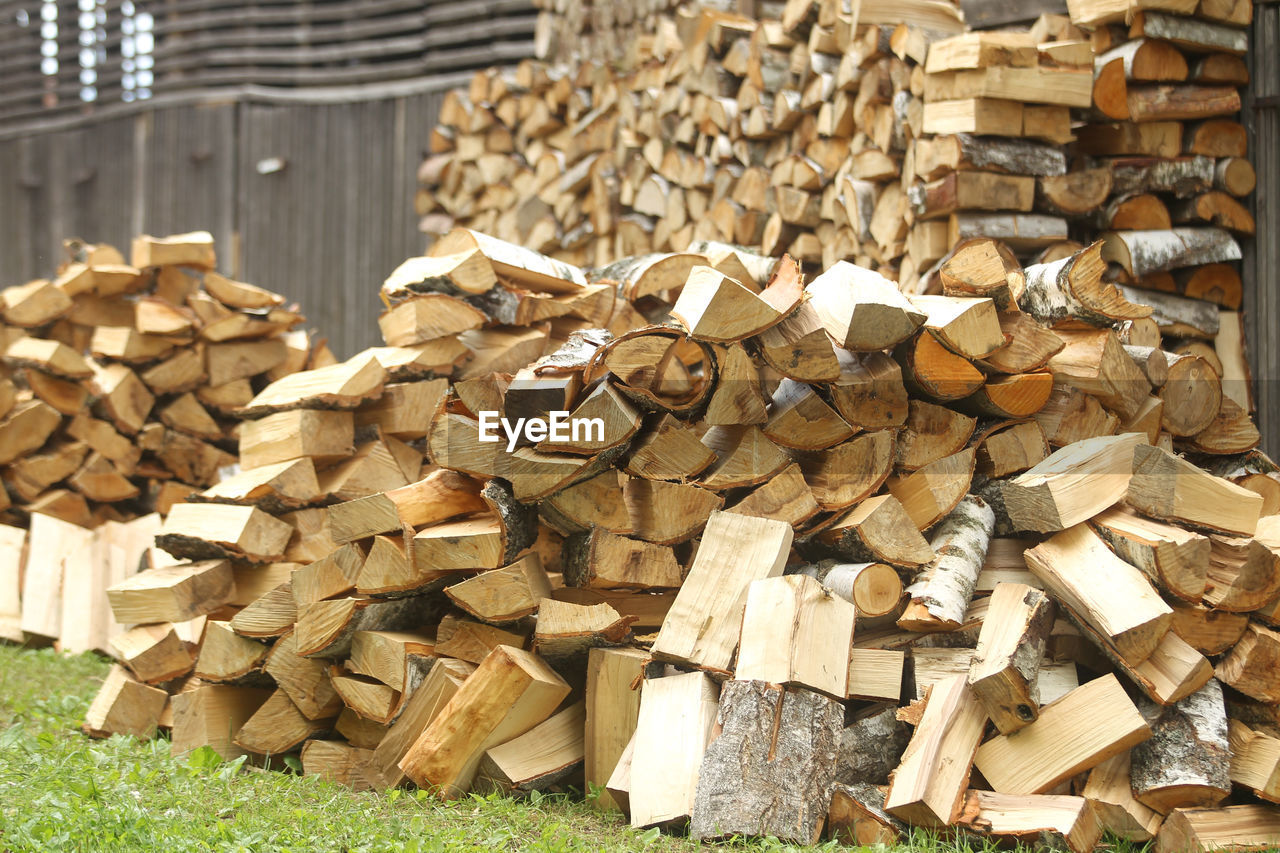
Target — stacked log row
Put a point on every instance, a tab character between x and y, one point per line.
118	394
996	114
812	558
1165	125
570	32
781	136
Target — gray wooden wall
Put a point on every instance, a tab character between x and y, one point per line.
1262	255
324	229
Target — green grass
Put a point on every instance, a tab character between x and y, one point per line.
60	790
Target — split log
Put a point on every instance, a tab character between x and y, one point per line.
172	593
210	715
424	704
771	769
1006	662
1250	666
613	708
1092	723
857	816
1166	487
870	749
503	595
796	632
1255	760
1066	822
1243	827
1073	484
508	694
878	529
1176	560
927	788
538	759
1109	792
677	715
124	705
932	492
1113	597
860	309
702	627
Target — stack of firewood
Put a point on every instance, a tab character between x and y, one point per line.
803	556
118	395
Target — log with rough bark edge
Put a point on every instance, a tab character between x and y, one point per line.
1010	447
404	410
1021	231
796	632
1145	60
871	747
801	420
48	357
1030	345
1186	761
613	708
927	787
537	759
211	715
170	594
441	495
509	693
971	191
384	655
227	657
345	385
211	531
1243	573
1215	208
1112	596
1192	395
424	318
306	681
1111	796
1255	760
702	627
941	593
1072	288
270	615
1173	558
503	595
153	653
981	50
785	497
938	155
798	347
277	727
1142	253
667	450
856	816
969	327
934	490
1237	827
1149	139
673	729
714	307
332	575
471	641
1208	631
1097	363
323	436
1082	729
603	560
1075	194
1006	662
1074	484
193	249
860	309
931	433
1250	666
667	513
325	628
983	268
565	631
869	392
1061	821
126	706
1197	36
770	770
878	529
935	371
1169	488
467	272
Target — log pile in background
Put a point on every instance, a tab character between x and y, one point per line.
818	566
121	380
